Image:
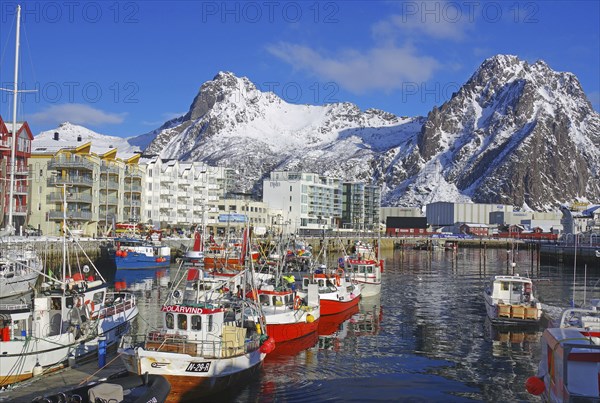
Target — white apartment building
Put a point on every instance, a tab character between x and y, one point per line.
181	193
307	201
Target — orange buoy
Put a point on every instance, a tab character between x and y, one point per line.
535	385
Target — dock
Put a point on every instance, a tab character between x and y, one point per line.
61	380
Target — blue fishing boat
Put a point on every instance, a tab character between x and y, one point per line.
135	253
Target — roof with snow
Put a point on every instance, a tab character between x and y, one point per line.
68	135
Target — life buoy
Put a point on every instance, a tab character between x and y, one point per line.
91	304
340	272
338	280
297	302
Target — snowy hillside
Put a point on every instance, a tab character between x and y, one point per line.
70	135
232	123
515	133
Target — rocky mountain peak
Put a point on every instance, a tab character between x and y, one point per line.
515	132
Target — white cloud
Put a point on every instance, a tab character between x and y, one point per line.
76	113
436	20
379	68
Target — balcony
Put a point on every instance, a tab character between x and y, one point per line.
71	197
134	173
75	162
129	188
71	215
132	203
19	210
20	190
71	180
112	200
111	185
111	169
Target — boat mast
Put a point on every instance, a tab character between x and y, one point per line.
14	126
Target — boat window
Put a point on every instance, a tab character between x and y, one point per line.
169	320
181	321
196	322
504	286
56	305
69	302
210	323
517	287
264	299
99	297
370	269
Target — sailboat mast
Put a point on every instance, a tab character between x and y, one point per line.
14	125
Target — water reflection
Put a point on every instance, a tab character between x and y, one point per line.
425	338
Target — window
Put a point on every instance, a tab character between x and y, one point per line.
504	286
196	322
290	199
150	186
210	323
98	297
182	321
290	188
169	320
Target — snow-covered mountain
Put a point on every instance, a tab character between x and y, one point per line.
71	135
515	133
232	123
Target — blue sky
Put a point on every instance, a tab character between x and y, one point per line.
123	68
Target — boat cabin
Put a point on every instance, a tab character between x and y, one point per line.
15	322
511	290
275	298
325	283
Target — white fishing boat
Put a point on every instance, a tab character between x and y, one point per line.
510	300
210	339
19	270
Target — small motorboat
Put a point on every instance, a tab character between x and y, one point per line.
118	388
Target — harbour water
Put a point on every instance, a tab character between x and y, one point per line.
425	338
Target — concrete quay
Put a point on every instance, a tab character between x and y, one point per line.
61	380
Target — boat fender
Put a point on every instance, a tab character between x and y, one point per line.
297	302
310	318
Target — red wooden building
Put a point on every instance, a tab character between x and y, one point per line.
21	174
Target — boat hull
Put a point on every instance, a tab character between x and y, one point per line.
335	306
193	377
139	261
291	331
17	285
19	356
